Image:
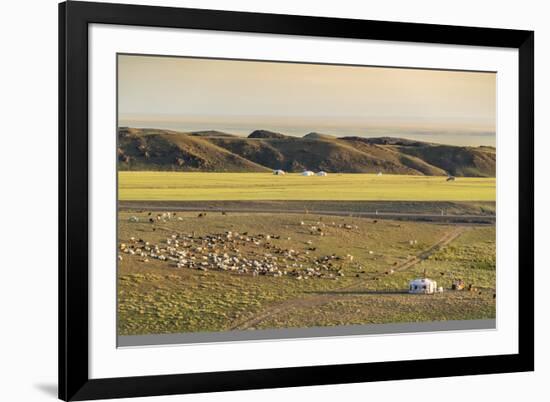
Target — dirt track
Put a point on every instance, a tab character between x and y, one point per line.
431	217
346	291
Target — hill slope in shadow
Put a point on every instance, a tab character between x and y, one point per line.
214	151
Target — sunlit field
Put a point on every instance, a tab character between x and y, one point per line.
356	272
184	186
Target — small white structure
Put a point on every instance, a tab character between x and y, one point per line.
279	172
423	286
321	173
379	174
307	173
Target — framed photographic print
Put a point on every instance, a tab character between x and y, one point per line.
258	200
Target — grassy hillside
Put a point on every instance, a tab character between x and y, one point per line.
262	150
167	150
408	164
266	134
458	161
298	154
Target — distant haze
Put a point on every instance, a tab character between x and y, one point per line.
238	97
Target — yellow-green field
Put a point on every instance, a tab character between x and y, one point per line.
184	186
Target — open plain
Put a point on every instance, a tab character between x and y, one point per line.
207	186
210	271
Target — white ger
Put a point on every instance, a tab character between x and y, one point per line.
321	173
307	173
279	172
423	286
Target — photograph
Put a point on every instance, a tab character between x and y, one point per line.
264	199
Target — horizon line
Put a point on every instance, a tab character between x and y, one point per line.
188	132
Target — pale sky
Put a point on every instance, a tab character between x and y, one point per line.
193	94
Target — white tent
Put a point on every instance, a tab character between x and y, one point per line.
321	173
307	173
423	286
279	172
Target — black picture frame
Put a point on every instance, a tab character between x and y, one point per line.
74	380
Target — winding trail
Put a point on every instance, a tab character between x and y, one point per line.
443	241
344	291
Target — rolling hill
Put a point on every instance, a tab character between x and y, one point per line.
266	134
150	149
262	150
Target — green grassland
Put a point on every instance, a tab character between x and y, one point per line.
471	258
197	186
156	297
